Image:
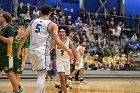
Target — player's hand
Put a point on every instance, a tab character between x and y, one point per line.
88	54
23	65
70	54
76	63
19	53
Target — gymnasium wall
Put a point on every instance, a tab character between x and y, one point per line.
6	5
132	7
93	5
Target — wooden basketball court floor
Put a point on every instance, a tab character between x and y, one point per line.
94	85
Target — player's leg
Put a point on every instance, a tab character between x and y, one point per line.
18	71
57	85
8	69
61	73
63	82
81	73
40	84
13	81
38	63
67	73
74	72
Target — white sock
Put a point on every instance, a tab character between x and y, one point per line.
40	84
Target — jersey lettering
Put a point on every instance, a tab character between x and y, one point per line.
37	28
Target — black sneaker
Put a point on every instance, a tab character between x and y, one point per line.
70	78
60	91
57	86
69	86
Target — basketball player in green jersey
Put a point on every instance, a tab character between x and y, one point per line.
6	41
20	63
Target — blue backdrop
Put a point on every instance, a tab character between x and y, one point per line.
93	5
132	7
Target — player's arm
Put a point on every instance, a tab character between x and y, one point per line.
26	34
53	44
25	57
82	52
53	28
9	39
74	51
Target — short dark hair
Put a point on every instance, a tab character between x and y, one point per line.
65	28
45	9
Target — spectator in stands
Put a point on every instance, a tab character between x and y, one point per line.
57	6
109	34
99	52
118	34
89	19
53	13
96	20
35	12
79	29
117	58
114	12
84	18
60	14
122	62
134	37
86	29
77	21
91	49
130	60
62	21
27	14
21	13
91	37
115	49
76	37
106	50
69	21
112	22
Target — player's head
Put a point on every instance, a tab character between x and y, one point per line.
82	43
45	9
63	31
5	17
21	30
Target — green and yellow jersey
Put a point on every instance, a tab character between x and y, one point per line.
5	48
16	45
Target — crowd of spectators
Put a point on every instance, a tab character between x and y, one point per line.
104	36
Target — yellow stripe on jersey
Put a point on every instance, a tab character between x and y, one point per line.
9	50
23	53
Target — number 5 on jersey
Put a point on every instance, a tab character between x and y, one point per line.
37	28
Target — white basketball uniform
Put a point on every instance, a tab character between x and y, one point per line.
39	44
80	59
63	59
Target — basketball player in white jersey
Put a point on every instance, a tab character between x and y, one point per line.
62	58
79	64
40	30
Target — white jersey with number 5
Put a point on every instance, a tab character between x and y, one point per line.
40	36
